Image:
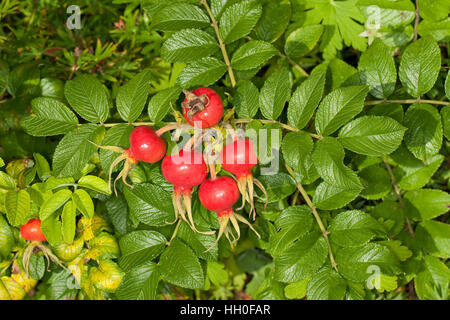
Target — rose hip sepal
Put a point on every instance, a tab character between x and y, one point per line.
219	195
31	231
202	107
184	170
145	145
239	158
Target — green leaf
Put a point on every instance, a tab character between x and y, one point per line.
301	259
140	283
338	107
302	40
84	203
218	6
426	204
49	117
180	16
36	267
278	186
132	96
189	45
326	284
7	240
392	110
391	214
389	14
139	247
246	100
117	212
88	98
150	203
341	74
372	135
68	220
94	183
328	157
52	228
433	281
292	223
296	290
296	148
419	66
415	174
24	79
204	72
200	243
377	69
238	20
376	181
179	266
159	104
274	20
354	228
7	182
275	92
17	205
103	246
306	98
107	276
115	136
439	30
424	135
328	196
42	166
74	150
434	237
252	54
355	263
445	114
447	85
216	273
53	203
53	88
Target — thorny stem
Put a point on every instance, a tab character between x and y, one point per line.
316	216
399	196
407	101
284	126
221	44
295	64
416	22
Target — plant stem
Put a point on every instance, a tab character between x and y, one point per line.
399	196
221	44
316	216
416	22
133	124
295	64
407	101
284	126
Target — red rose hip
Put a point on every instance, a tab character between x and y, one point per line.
202	107
32	231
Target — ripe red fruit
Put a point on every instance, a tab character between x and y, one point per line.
184	170
32	231
239	158
220	195
146	145
202	107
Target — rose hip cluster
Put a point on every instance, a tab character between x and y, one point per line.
186	170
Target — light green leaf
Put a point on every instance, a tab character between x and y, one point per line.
389	14
433	281
377	69
252	54
246	100
7	240
103	246
180	16
150	204
439	30
53	203
88	98
83	203
301	259
275	92
434	237
140	283
132	96
49	117
216	273
179	266
239	19
338	107
139	247
68	222
354	228
296	290
159	104
94	183
42	166
7	182
306	98
326	284
204	72
74	150
426	204
424	135
302	40
419	66
372	135
17	205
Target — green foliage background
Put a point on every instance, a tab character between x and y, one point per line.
359	91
